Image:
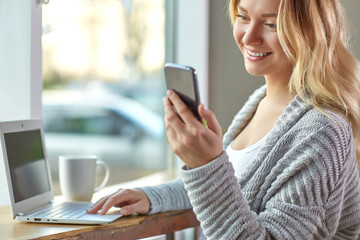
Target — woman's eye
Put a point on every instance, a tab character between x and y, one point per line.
242	18
271	26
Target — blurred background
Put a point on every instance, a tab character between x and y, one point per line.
103	85
93	70
102	69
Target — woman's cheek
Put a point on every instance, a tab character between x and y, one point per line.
238	34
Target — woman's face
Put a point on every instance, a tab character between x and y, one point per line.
256	35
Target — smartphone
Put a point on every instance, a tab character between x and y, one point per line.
183	80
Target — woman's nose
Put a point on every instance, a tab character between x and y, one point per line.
252	35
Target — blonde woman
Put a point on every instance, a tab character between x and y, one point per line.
286	168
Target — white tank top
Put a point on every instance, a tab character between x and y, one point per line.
240	159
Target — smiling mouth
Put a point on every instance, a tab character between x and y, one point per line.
258	54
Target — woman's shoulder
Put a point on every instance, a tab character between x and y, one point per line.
303	114
314	132
327	120
328	137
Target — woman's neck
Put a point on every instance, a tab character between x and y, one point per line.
277	89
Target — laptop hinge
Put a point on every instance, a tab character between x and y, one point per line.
20	214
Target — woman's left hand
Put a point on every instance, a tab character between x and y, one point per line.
194	143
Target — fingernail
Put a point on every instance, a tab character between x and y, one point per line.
168	92
124	211
204	108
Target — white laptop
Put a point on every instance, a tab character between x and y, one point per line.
29	181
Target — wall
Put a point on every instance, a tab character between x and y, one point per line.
192	40
229	83
352	9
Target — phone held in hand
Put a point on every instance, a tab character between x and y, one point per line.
183	80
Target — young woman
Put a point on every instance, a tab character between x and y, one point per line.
286	168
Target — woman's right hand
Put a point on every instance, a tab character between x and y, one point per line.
129	200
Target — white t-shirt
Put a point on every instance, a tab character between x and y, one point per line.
240	159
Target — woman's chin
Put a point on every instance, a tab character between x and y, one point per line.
254	72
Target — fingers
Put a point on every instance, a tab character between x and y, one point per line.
110	202
131	201
171	115
211	120
181	108
194	143
97	206
137	207
172	121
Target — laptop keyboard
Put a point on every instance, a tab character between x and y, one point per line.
67	210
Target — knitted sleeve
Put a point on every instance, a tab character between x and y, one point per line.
167	197
315	192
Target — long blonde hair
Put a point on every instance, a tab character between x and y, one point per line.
313	35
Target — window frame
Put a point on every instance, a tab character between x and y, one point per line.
20	66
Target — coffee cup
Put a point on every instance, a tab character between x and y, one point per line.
77	176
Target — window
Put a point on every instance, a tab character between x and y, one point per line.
103	86
21	60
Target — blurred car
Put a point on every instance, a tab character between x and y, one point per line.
120	131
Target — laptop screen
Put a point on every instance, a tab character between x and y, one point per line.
28	170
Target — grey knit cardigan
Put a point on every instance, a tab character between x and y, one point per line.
302	184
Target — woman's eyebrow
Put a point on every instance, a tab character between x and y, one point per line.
269	15
262	15
242	9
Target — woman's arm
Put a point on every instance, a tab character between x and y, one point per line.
167	197
305	187
302	207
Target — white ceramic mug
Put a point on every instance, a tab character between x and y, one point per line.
77	175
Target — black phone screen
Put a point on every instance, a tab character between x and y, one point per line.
183	80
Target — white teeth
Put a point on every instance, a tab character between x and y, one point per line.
258	54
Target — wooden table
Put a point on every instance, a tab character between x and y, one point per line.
130	227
